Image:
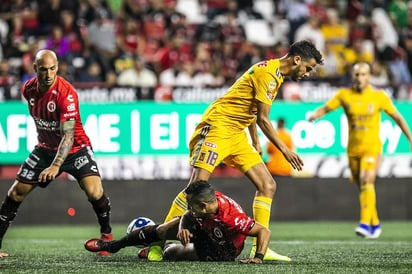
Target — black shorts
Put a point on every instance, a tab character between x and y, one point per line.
80	164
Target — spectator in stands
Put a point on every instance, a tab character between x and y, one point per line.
277	164
379	75
138	75
71	32
335	31
311	31
58	42
6	78
93	74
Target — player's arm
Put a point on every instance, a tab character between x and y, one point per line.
184	235
319	112
263	237
254	136
67	130
266	126
400	121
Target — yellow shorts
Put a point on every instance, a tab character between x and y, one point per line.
209	147
366	162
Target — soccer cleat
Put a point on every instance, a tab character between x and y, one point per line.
142	254
105	237
363	230
270	255
96	245
376	231
155	253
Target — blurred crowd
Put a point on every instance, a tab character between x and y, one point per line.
200	43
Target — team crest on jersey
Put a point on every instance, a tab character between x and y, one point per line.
217	232
51	106
272	85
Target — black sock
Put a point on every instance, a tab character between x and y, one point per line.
102	209
8	212
143	236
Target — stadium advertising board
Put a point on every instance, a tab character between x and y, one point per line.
146	131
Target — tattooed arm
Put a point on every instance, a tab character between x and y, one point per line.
65	145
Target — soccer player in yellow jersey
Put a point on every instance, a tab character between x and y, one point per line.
362	105
221	137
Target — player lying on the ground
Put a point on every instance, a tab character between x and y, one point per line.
213	229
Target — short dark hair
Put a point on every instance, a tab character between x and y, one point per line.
201	191
306	50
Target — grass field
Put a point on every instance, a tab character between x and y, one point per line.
321	247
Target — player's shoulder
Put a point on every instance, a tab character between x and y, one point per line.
64	86
30	83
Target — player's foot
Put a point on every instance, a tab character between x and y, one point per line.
143	252
96	245
363	230
155	253
270	255
376	231
105	237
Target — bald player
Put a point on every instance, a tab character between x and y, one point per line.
362	105
63	146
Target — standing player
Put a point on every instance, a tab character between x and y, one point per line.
63	146
213	229
362	105
220	135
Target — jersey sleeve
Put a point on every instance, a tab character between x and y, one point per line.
69	105
335	101
387	104
265	84
236	219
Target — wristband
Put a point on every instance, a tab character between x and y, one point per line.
259	256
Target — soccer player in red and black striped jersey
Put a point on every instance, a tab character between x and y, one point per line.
63	145
214	228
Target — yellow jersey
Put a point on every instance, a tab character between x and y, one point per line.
236	110
363	111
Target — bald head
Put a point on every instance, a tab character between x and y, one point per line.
46	67
361	73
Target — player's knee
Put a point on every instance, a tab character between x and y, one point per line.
18	192
268	187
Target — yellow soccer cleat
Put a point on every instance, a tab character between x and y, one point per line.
155	253
270	255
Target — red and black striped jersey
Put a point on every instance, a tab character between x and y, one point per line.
60	103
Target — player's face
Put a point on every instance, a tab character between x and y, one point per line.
360	76
303	68
200	209
46	69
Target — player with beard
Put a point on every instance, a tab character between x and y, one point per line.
220	136
362	105
63	146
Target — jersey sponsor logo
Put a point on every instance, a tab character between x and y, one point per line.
278	73
71	107
31	101
71	114
269	95
46	125
242	223
262	64
209	144
93	168
81	162
51	106
31	163
54	91
70	98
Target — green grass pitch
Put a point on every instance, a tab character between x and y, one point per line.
315	247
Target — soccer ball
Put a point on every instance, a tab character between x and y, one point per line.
139	223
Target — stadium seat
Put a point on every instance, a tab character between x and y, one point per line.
259	32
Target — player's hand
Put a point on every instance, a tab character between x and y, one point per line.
184	236
49	173
3	255
251	261
295	161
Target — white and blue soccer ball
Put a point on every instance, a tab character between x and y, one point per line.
139	223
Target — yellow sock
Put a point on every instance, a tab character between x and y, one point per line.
367	202
372	201
178	208
261	211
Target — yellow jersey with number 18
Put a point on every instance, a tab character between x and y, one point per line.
363	111
236	110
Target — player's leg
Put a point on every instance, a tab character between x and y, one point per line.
369	166
142	236
8	211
